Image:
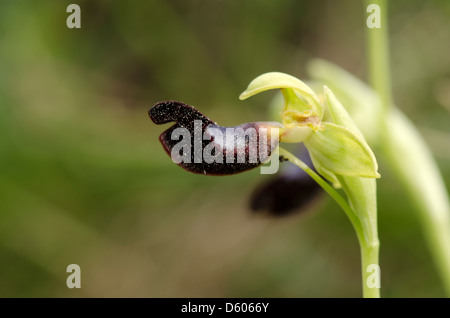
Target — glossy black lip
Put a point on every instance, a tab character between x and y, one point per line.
184	116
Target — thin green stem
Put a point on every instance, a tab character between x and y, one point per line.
361	195
378	56
328	189
370	270
408	154
366	232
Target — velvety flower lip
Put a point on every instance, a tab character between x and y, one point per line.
173	111
185	116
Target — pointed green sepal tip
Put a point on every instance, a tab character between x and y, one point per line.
339	114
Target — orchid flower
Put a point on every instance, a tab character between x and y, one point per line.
337	148
336	145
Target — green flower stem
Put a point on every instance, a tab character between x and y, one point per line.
361	194
328	189
369	256
378	56
409	155
364	225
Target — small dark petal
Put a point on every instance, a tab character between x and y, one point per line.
283	196
184	116
290	191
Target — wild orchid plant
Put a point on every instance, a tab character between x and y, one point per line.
338	150
394	140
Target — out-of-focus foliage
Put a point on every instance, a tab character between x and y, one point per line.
84	180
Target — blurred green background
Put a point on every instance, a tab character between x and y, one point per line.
84	180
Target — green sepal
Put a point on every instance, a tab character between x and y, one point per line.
298	95
340	151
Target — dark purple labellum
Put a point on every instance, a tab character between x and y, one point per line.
207	150
290	191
